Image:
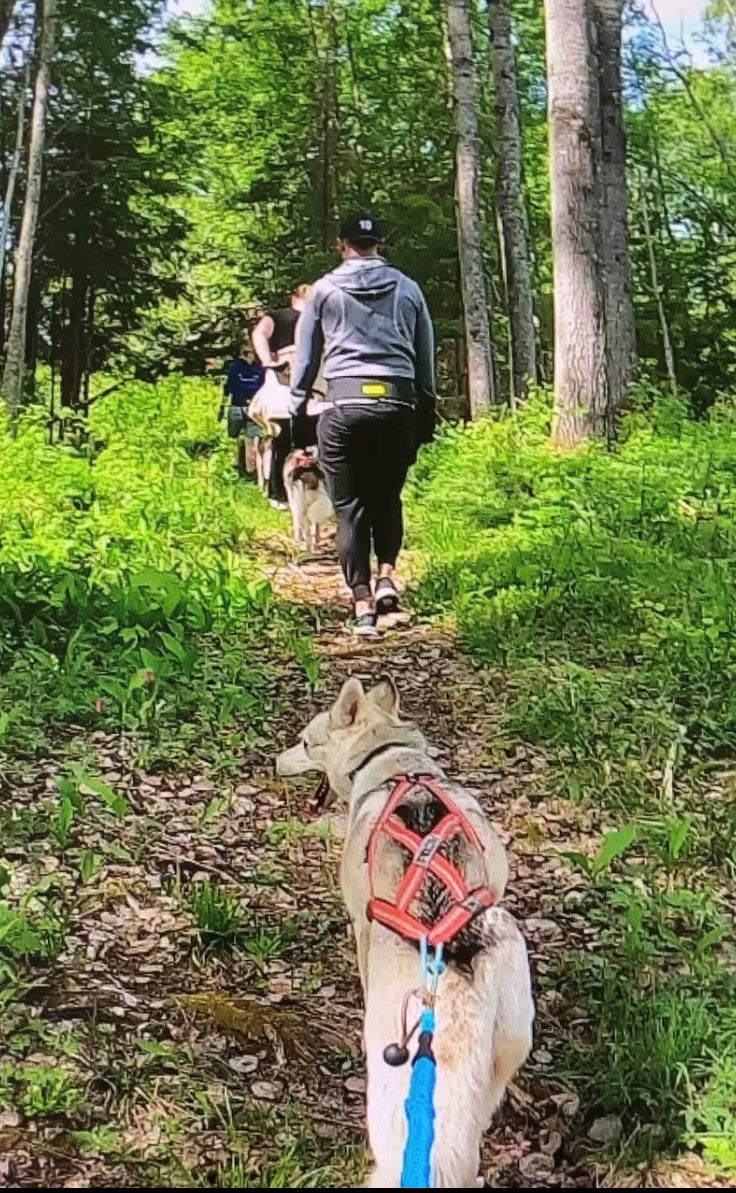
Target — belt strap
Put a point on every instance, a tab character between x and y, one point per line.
371	389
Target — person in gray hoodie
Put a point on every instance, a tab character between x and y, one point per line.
369	326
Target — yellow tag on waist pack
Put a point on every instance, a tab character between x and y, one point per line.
374	389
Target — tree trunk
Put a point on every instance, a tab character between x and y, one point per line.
667	349
614	244
15	359
14	164
325	44
32	339
73	348
481	386
509	197
581	389
7	7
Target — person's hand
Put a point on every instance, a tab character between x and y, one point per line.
426	424
317	406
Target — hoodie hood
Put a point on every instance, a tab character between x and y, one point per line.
370	278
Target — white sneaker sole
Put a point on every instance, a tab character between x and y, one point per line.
366	631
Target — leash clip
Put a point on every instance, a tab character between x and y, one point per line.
430	970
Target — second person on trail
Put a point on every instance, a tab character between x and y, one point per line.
273	343
370	325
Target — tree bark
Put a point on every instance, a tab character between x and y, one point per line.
580	383
510	201
325	43
15	359
481	387
74	346
667	349
7	8
614	244
14	164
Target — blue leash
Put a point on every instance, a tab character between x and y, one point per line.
416	1172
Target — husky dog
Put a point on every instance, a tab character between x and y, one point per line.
484	1007
307	496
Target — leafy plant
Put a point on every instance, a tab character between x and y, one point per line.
614	844
218	914
598	590
40	1091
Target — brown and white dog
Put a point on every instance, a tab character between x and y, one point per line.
484	1007
307	496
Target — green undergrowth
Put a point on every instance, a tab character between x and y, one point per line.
599	589
131	599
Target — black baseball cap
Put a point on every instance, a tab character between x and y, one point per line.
361	229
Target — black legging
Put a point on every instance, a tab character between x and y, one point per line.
365	452
294	433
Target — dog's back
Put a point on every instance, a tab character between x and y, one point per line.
484	1002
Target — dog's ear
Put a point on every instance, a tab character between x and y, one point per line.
384	695
349	707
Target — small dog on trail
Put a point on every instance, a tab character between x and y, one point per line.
307	496
420	859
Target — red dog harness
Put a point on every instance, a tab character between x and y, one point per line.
426	860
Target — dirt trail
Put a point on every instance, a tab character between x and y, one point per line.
171	1094
452	701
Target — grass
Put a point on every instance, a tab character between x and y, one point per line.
130	596
284	1152
218	914
135	621
596	590
599	590
39	1091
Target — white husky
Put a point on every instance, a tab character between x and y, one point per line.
484	1008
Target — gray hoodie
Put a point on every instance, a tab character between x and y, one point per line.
367	319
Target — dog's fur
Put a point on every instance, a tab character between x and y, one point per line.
263	445
307	496
484	1003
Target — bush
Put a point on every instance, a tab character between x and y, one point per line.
600	588
129	593
606	578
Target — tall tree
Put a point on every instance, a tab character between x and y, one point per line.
15	162
510	201
16	349
481	382
580	382
667	349
614	243
7	8
104	247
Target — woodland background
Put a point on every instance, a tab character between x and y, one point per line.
185	185
178	999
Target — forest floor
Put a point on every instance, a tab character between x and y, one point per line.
200	1026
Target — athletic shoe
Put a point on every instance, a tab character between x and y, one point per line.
387	598
278	505
365	626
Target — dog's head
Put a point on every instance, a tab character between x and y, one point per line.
336	741
302	465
